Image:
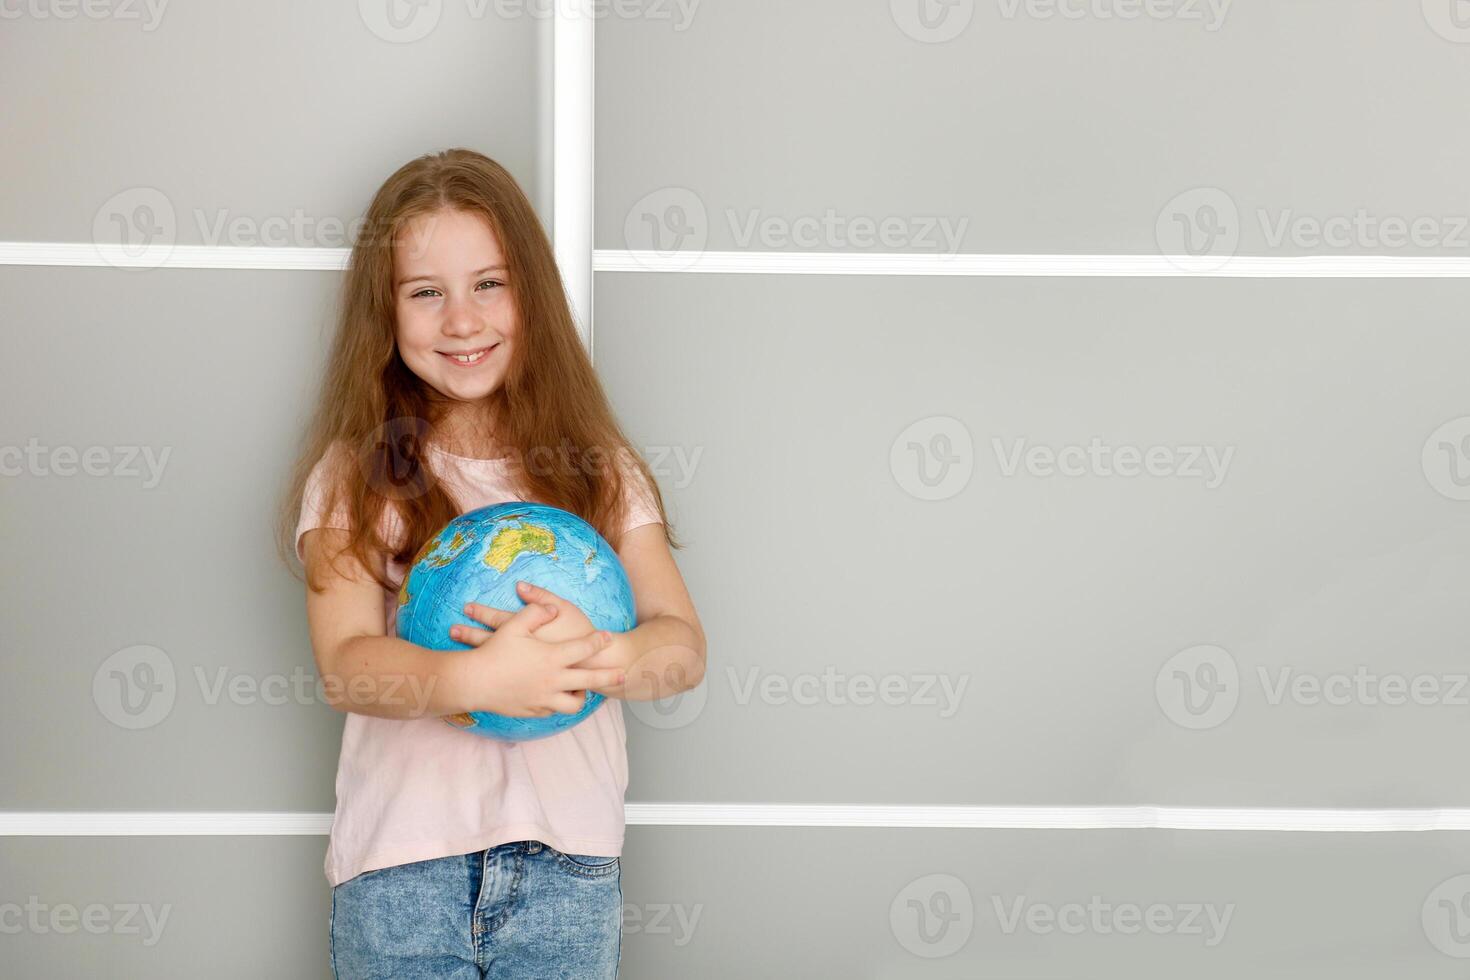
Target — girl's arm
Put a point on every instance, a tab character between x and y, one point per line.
365	671
665	653
660	656
362	669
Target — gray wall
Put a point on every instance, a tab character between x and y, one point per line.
836	451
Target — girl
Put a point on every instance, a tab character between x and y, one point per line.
456	380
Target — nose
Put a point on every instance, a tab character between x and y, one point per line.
459	318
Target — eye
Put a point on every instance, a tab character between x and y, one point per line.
430	290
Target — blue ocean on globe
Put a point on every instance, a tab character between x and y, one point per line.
479	556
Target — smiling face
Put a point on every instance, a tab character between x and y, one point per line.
456	318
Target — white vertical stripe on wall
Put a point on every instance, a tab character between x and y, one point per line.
572	115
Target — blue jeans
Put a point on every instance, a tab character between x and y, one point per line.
520	910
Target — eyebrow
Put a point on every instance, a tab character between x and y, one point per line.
477	272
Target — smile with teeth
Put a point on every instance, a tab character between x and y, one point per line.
470	357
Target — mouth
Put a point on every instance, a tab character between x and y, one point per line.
467	358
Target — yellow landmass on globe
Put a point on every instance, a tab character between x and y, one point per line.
512	541
452	548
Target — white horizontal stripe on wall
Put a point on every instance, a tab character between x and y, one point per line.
264	824
787	263
173	256
1127	266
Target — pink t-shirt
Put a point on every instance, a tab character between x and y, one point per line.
410	790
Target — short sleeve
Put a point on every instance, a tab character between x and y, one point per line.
642	509
314	499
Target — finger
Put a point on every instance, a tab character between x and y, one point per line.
571	651
528	618
468	634
489	615
584	678
568	704
535	593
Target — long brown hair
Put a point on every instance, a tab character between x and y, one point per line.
550	408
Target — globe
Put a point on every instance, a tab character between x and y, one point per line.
478	557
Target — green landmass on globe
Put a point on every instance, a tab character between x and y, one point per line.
479	557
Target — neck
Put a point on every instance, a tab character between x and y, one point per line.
465	431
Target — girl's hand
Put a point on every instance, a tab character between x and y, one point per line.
513	673
568	623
